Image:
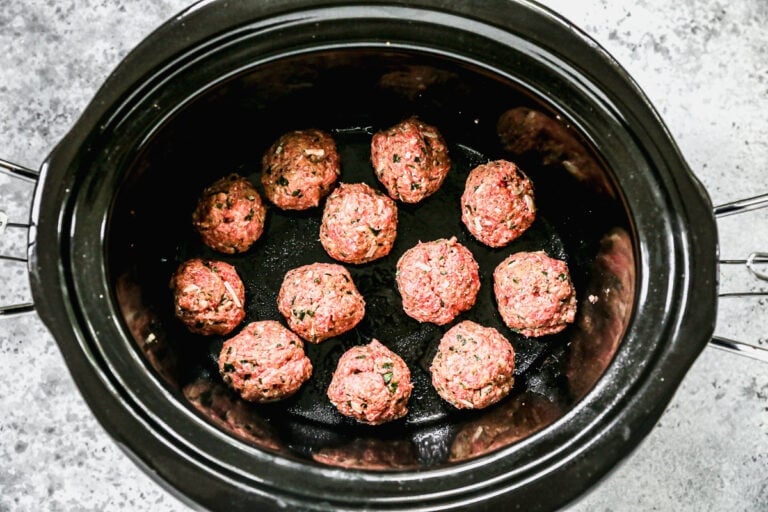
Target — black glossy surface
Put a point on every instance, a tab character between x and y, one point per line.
146	412
351	95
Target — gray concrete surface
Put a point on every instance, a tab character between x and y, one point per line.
703	63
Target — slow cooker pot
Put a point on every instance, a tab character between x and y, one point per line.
208	92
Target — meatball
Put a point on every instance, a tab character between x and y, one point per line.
474	366
359	224
410	159
265	362
437	280
320	301
371	384
230	215
497	203
534	293
209	296
300	168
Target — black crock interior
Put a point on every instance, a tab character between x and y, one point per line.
352	93
209	91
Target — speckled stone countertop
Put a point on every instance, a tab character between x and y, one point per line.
703	63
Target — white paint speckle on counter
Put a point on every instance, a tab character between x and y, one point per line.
703	63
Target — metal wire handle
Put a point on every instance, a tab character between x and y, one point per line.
30	176
740	347
741	206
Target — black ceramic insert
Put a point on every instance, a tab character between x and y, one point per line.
351	94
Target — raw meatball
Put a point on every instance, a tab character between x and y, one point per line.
320	301
534	293
359	224
410	159
474	366
209	296
497	203
300	168
371	384
230	215
265	362
437	280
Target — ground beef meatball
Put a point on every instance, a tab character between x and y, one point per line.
410	159
230	215
474	366
320	301
265	362
371	384
300	168
497	203
359	224
534	293
209	296
437	280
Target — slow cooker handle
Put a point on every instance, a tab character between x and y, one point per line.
29	176
740	347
